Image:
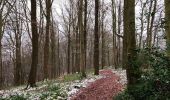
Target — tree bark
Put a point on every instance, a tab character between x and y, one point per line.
18	68
47	46
167	25
96	39
34	64
114	33
103	37
53	51
129	32
85	31
82	46
149	25
1	69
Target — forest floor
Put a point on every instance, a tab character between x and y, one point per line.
109	83
102	89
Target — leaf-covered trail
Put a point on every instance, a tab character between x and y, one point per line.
102	89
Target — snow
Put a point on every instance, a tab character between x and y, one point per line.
70	88
122	74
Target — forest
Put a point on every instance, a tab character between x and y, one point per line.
84	49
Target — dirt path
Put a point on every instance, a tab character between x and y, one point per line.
102	89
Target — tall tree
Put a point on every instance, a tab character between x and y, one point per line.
96	39
1	73
150	19
167	24
53	50
114	31
85	30
82	46
103	36
129	36
18	30
47	39
34	64
5	9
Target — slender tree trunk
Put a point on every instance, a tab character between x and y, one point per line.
34	64
53	51
85	31
103	37
119	32
142	24
167	25
18	55
77	50
68	50
114	32
58	54
1	69
47	46
125	20
82	46
149	24
96	39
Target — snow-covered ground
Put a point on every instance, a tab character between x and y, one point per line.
122	74
70	88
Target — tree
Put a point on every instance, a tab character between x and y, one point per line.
85	30
114	31
96	39
5	8
103	36
167	25
34	64
18	34
82	41
1	24
150	21
130	41
53	50
47	39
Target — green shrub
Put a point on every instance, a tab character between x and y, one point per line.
2	98
154	83
44	96
53	92
124	96
17	97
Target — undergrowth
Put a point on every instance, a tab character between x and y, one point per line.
154	83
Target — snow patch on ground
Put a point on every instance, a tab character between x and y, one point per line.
75	86
70	88
34	93
122	74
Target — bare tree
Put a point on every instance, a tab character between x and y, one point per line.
167	24
96	39
33	71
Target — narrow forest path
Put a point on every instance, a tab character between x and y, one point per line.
102	89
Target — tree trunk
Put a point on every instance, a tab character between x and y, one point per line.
114	32
129	32
68	50
167	25
47	46
34	64
1	69
149	25
96	39
85	31
53	51
18	54
103	37
82	46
